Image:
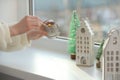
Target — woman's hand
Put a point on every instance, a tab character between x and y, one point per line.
36	33
24	25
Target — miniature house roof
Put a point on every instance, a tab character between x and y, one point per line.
112	32
85	23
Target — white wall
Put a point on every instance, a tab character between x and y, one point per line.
8	10
23	8
13	10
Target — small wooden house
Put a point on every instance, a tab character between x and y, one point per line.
111	56
84	44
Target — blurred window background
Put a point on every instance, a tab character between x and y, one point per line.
102	14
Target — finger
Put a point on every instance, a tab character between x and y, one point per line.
36	29
40	23
33	24
42	28
44	33
34	20
33	17
32	27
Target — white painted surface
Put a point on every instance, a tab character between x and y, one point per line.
13	10
23	8
36	63
8	10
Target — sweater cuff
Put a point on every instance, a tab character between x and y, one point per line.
8	34
5	35
25	41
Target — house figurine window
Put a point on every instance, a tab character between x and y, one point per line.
83	30
117	69
117	64
115	40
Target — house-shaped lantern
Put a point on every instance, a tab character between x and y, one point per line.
111	56
84	44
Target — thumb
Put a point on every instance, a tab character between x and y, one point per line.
45	33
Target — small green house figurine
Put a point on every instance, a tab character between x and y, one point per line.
99	53
74	24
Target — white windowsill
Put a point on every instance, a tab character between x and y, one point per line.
47	59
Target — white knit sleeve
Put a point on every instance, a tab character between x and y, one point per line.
4	36
18	42
8	43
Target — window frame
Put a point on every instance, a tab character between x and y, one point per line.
31	12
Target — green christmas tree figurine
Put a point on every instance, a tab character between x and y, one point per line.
74	25
99	53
